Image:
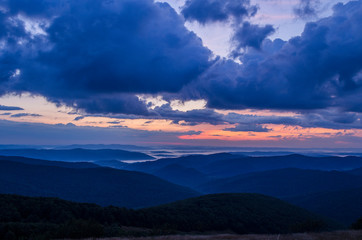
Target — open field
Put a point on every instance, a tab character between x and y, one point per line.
338	235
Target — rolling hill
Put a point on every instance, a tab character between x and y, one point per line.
197	162
181	175
344	206
237	166
48	218
241	213
224	165
104	186
284	182
40	162
357	171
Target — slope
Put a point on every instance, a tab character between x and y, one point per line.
49	218
284	182
33	161
104	186
181	175
344	206
241	213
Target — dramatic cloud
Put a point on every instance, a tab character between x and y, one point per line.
321	68
87	52
250	35
9	108
100	56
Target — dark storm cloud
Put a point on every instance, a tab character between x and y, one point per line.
205	11
306	8
321	68
95	49
97	55
110	103
250	35
9	108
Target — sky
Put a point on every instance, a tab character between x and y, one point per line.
267	73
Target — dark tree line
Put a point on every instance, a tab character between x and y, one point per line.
48	218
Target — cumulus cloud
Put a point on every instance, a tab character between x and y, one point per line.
97	56
250	35
93	49
322	68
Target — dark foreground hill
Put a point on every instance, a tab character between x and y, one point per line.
77	154
104	186
238	212
46	218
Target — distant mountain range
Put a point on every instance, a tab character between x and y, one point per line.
179	174
287	177
315	183
224	165
76	154
33	161
285	182
104	186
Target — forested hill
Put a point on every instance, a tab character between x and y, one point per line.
46	218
